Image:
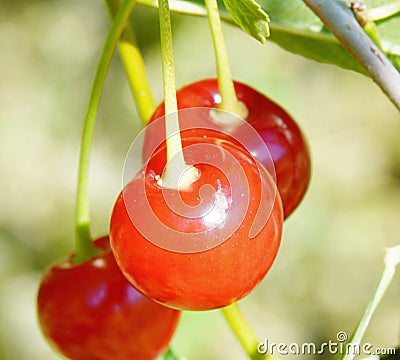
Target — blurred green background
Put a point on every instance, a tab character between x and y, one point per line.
332	248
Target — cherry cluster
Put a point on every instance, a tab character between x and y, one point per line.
201	245
223	244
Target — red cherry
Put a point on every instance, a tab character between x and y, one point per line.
90	311
280	133
205	245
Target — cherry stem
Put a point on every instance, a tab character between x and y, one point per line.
391	261
169	355
229	101
243	331
85	248
133	63
176	168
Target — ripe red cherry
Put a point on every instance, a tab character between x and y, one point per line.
207	244
90	311
280	133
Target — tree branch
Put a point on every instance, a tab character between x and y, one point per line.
341	22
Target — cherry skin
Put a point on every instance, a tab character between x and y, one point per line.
89	311
213	247
280	133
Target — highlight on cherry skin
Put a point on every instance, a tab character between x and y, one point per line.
90	311
203	245
280	133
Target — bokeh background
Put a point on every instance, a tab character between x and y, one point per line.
332	248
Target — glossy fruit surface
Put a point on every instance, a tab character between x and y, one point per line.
280	133
205	245
89	311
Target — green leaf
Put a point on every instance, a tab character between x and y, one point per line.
297	29
249	15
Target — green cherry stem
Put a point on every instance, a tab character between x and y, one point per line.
231	105
170	355
391	260
229	101
176	168
133	63
167	55
138	81
243	332
84	245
